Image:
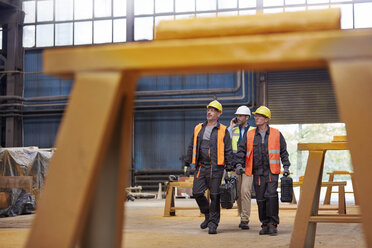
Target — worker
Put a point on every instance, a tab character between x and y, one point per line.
210	152
238	127
260	153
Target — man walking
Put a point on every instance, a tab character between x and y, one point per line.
261	152
210	151
237	129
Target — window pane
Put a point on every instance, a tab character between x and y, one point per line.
247	3
270	3
102	8
346	15
44	35
64	10
317	1
185	6
247	12
83	9
186	16
163	6
29	36
273	10
227	4
202	5
82	33
289	2
120	8
29	9
363	15
294	9
45	10
1	38
143	7
160	18
206	14
120	30
64	34
102	31
143	28
227	13
318	7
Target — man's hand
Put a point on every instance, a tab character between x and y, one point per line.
285	171
239	169
187	170
232	123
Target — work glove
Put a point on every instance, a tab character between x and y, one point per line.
228	168
285	171
239	169
228	175
187	170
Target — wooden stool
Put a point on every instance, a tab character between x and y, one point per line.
82	202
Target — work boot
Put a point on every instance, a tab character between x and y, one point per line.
264	230
244	225
272	230
212	228
204	224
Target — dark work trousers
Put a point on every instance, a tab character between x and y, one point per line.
267	199
205	178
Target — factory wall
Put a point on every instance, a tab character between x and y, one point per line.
161	133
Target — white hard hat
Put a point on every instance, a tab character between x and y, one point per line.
243	110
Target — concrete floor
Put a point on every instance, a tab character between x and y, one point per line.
145	226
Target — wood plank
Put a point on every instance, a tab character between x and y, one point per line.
352	84
336	219
255	52
4	199
105	222
73	172
23	182
322	146
314	20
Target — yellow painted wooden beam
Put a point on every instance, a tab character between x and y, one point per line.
256	52
322	146
314	20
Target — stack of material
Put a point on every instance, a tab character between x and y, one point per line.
22	161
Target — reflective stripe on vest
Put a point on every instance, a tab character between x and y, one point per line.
273	147
220	144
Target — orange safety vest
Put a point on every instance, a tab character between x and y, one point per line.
274	151
220	144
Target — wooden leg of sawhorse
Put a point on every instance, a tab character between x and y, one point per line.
303	234
169	202
83	199
354	189
341	200
327	198
353	87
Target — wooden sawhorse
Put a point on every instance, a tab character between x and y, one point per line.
82	204
307	217
170	204
327	198
341	196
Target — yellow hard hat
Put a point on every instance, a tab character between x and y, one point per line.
215	104
263	111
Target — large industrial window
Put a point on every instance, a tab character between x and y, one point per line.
80	22
73	22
